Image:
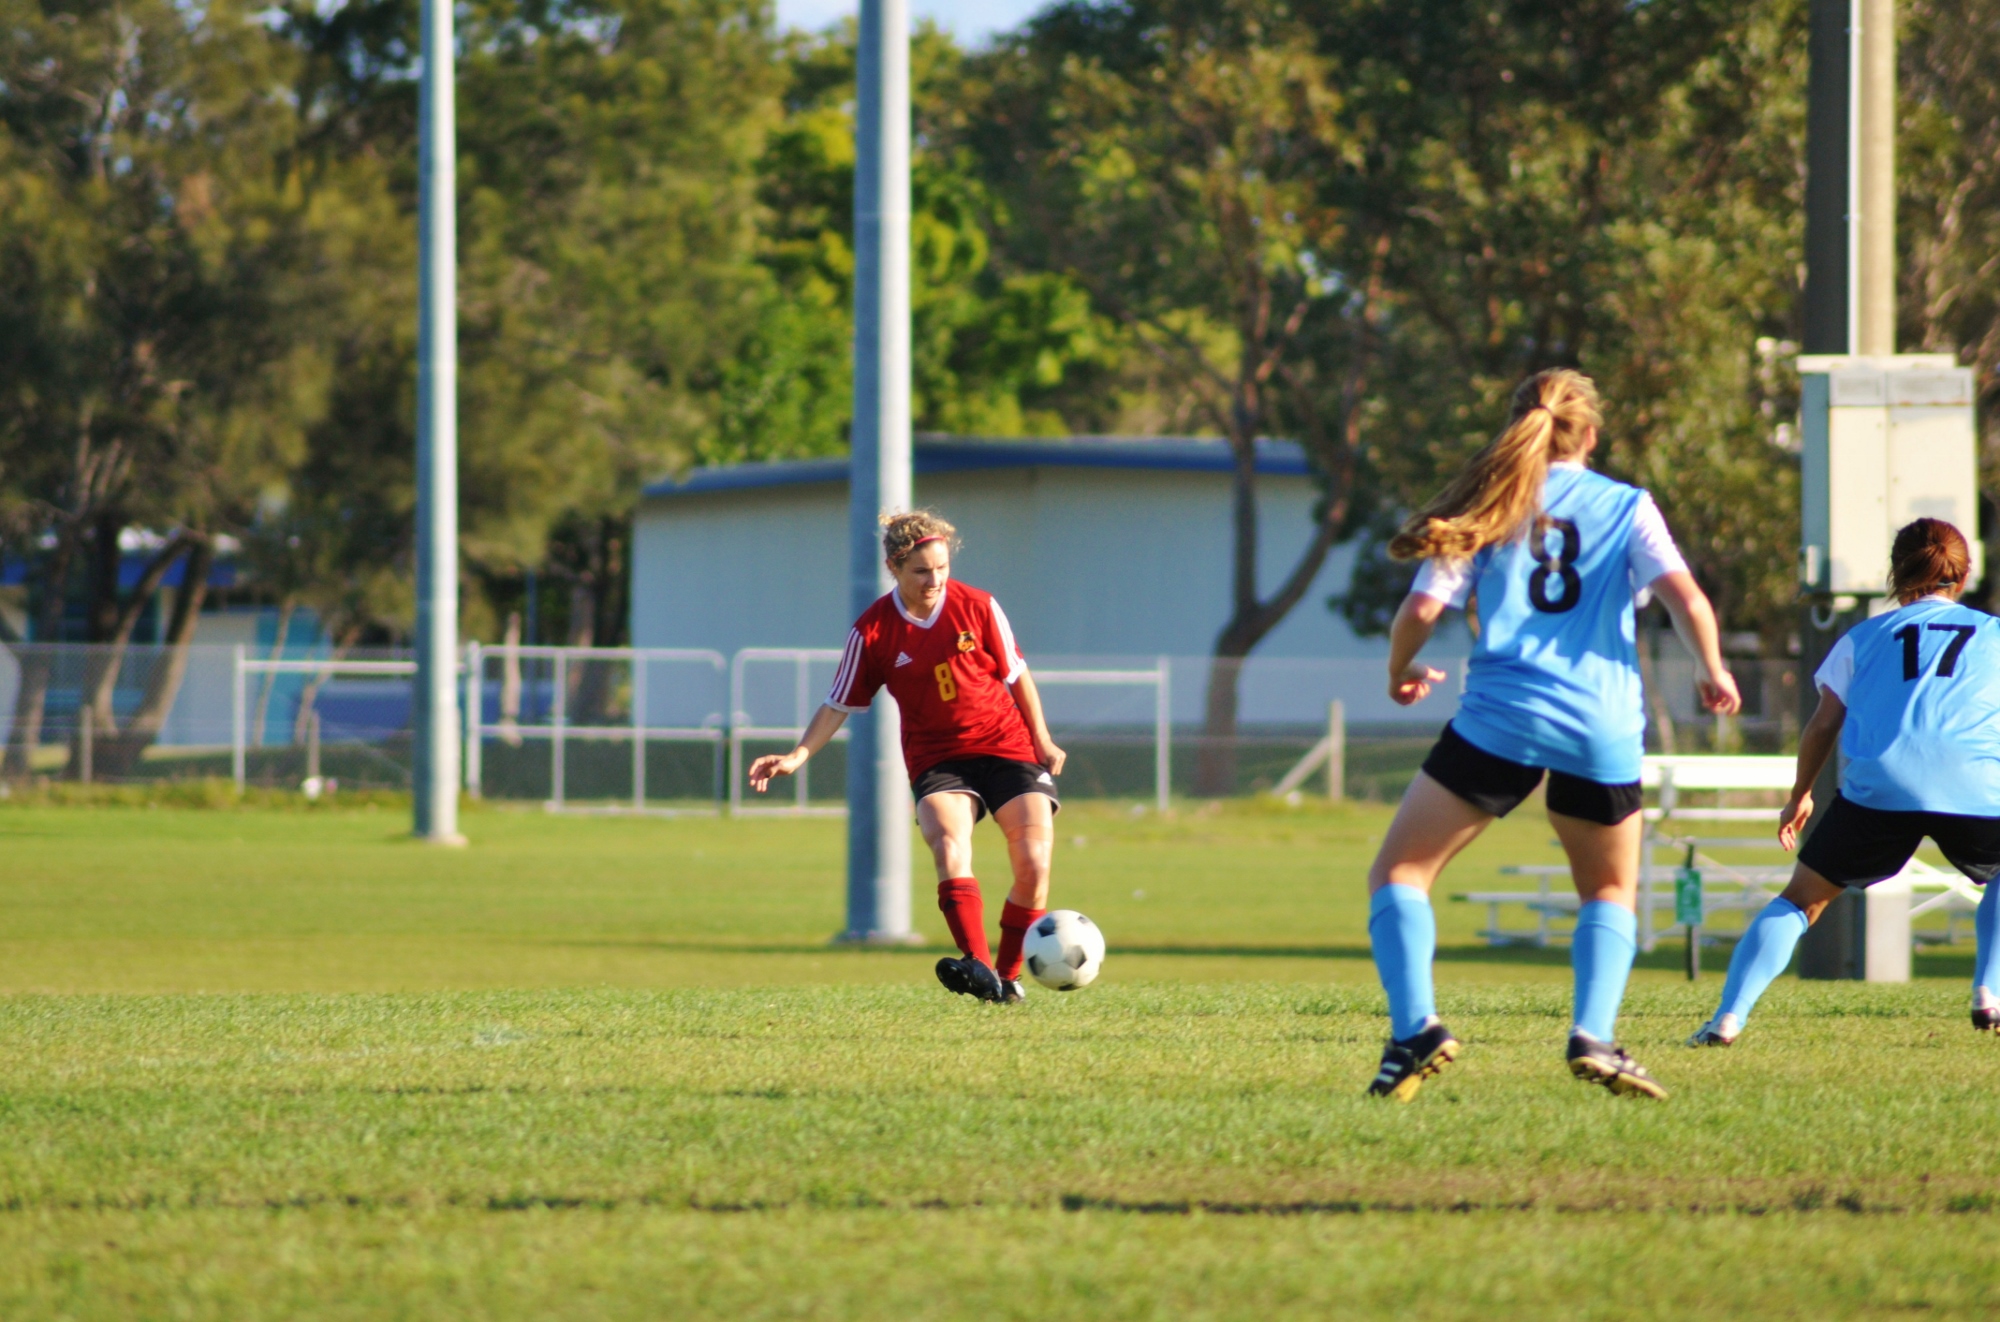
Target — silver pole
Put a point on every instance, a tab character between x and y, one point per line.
638	732
1336	750
238	759
475	713
435	714
878	794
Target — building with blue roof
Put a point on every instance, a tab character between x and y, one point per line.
1097	546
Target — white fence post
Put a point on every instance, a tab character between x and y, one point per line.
1163	726
475	712
237	756
638	732
1336	750
558	720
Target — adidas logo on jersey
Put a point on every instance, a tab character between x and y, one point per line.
903	658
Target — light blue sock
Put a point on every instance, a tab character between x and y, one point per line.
1601	953
1403	931
1986	926
1762	954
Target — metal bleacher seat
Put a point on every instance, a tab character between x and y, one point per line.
1669	844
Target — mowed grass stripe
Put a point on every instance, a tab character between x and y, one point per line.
270	1064
864	1097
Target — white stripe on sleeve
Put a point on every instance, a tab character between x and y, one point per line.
1651	551
843	678
1448	581
1836	673
1015	664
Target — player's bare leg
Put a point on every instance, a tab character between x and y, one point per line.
1432	825
1028	822
946	822
1604	865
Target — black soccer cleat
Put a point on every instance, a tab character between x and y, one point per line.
1986	1018
969	977
1408	1062
1012	992
1606	1063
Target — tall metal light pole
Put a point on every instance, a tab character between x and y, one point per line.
1850	308
435	715
878	795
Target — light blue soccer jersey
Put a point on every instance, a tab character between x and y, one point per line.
1923	710
1554	677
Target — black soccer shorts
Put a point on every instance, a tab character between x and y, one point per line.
993	781
1856	847
1493	784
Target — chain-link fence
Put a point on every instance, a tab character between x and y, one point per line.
658	730
148	712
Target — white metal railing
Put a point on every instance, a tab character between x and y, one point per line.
742	726
559	729
727	732
243	666
805	700
1159	679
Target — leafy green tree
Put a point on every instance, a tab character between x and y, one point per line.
992	346
1169	158
157	364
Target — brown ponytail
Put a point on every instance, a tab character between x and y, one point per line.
903	533
1928	556
1496	494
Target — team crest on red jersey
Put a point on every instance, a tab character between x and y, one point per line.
966	642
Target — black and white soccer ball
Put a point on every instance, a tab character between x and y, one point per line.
1065	950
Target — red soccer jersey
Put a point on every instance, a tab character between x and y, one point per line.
949	675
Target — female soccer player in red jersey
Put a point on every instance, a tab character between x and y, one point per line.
974	741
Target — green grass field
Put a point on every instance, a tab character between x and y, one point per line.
288	1064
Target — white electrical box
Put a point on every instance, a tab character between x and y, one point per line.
1887	440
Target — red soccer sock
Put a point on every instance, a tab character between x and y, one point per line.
1014	924
965	913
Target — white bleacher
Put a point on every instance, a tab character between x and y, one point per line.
1552	905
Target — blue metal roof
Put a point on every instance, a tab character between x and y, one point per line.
962	454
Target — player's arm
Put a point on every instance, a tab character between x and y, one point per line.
1694	621
826	722
1029	699
1816	745
1416	620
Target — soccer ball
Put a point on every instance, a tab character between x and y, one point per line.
1065	950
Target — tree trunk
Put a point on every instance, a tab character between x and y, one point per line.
38	662
309	696
1249	622
118	756
1215	774
105	664
263	715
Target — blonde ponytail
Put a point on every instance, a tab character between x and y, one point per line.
1498	491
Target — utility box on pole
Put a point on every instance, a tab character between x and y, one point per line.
1887	440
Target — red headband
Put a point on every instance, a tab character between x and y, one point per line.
934	537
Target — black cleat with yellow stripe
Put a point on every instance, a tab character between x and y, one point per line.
1407	1062
1607	1064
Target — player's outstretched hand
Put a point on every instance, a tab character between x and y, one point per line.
1718	693
1414	684
1050	756
1792	819
770	766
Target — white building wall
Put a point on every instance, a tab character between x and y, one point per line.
1087	561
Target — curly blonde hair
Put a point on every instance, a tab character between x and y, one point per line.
1496	495
903	533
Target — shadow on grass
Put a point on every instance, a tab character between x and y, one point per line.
1668	956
